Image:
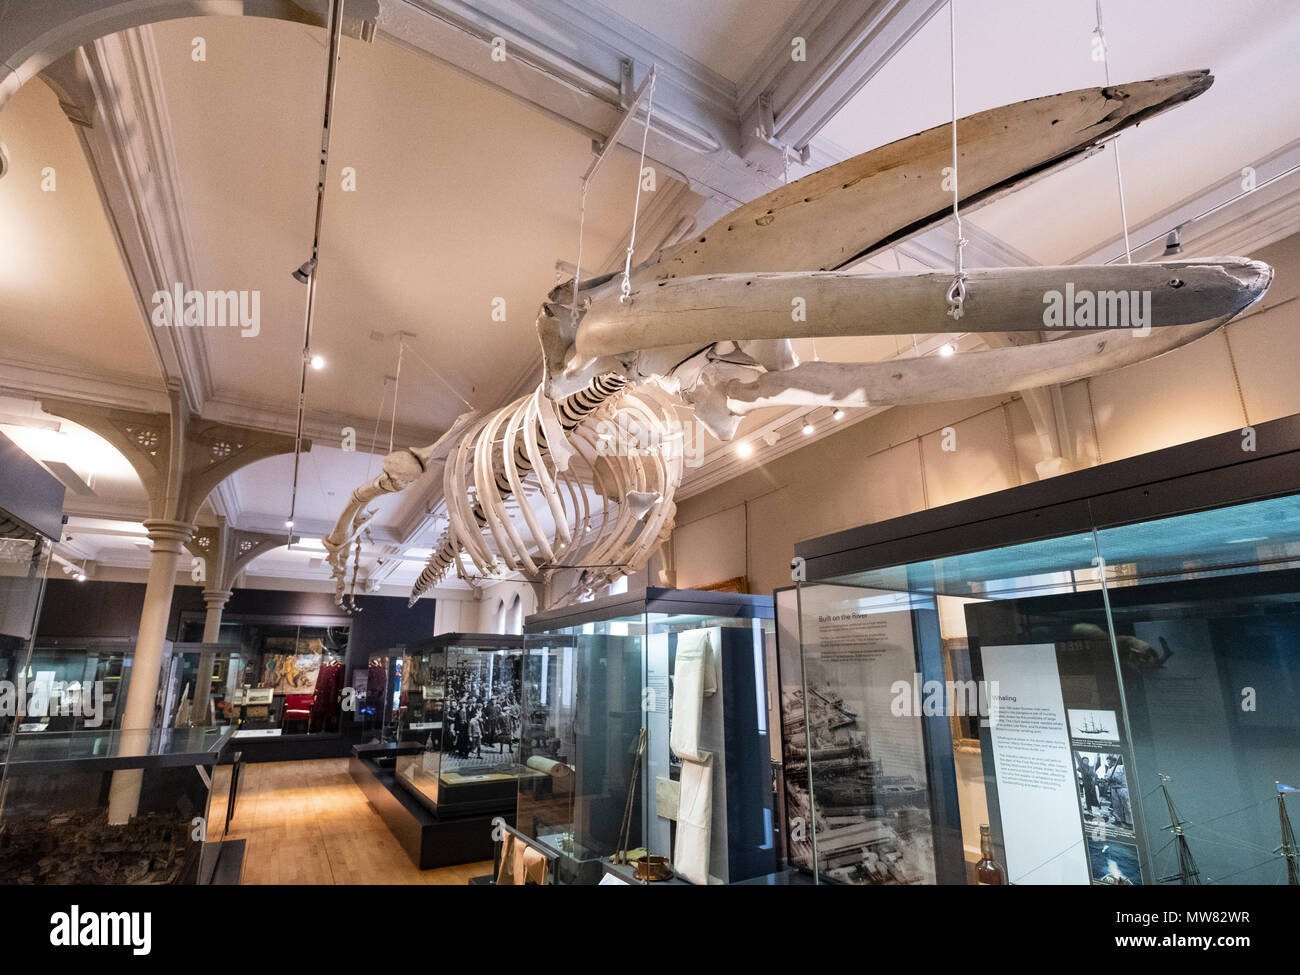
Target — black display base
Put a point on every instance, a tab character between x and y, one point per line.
230	864
294	748
429	840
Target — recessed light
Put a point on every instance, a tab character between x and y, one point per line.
946	349
808	428
288	523
318	362
744	449
837	414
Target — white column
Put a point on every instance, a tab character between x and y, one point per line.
216	600
168	538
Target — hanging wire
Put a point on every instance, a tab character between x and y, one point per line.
577	268
957	290
647	89
1100	34
438	376
397	387
626	287
785	168
374	434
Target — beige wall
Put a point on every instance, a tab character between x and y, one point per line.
893	463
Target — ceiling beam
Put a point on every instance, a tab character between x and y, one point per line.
786	101
1241	226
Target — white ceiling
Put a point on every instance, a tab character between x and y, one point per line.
66	304
723	35
464	194
1012	50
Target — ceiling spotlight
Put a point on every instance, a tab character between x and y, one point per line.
837	414
81	577
808	428
318	362
303	274
1174	242
288	523
946	349
744	449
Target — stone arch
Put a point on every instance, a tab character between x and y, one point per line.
36	33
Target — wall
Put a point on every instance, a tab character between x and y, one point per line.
504	593
893	463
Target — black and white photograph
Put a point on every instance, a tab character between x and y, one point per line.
1103	790
1099	726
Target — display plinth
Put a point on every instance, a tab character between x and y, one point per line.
428	839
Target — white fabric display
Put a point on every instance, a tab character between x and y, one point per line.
695	820
694	678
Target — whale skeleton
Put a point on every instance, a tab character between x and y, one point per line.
703	330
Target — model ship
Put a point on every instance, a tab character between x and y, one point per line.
1091	727
870	827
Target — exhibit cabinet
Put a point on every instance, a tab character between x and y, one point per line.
645	722
84	681
55	822
1101	670
31	519
293	672
457	697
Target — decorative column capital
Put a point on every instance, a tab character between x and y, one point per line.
216	599
168	535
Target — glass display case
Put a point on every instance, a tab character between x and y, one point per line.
290	678
457	697
84	681
1077	684
204	685
644	724
31	504
58	823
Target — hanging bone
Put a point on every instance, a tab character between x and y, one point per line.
706	326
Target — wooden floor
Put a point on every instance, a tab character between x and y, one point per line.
308	823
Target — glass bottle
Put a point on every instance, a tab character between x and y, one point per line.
987	872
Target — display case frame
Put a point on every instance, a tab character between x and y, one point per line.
57	791
599	675
1076	593
478	783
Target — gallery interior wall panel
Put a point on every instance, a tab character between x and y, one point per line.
711	549
1262	338
1079	419
1184	395
980	460
1024	440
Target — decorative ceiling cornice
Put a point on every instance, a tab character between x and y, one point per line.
110	90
